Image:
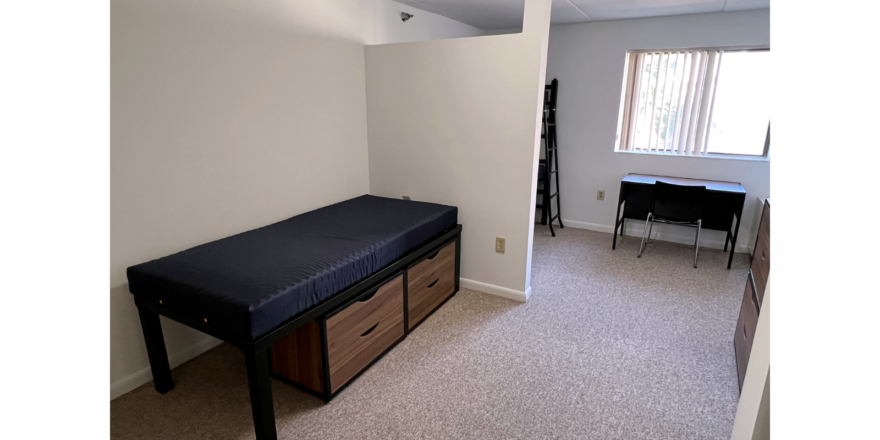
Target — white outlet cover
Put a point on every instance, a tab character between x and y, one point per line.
500	244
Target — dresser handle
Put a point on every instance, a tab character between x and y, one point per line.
754	290
370	330
432	284
434	255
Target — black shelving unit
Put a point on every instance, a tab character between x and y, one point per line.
548	167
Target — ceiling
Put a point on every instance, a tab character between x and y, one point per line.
508	14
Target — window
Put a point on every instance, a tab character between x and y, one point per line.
697	103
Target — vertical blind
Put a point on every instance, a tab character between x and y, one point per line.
668	101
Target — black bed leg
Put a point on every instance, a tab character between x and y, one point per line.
156	350
261	394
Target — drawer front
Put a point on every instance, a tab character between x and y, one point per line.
364	330
761	260
742	349
430	282
749	310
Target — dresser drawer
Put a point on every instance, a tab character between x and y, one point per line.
761	260
742	350
362	331
430	282
745	328
749	310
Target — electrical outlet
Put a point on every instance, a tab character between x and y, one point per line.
600	195
406	198
499	244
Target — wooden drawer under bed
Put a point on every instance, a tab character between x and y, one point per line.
356	335
363	331
344	342
430	282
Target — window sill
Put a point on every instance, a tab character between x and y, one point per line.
711	156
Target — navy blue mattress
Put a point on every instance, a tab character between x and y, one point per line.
252	282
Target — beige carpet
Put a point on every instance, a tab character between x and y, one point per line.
608	347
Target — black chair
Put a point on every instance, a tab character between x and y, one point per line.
677	205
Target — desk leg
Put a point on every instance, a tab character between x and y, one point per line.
156	352
727	240
735	235
616	222
260	385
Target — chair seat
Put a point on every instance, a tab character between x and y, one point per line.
659	219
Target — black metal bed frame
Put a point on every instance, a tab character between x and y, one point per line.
257	352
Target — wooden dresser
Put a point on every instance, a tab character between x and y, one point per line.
753	295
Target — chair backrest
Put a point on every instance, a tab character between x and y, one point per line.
679	203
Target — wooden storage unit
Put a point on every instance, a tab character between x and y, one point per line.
761	260
345	342
430	282
745	328
753	295
363	331
298	357
741	349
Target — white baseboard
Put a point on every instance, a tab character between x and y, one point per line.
584	225
681	235
144	375
492	289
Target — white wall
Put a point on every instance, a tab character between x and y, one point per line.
588	60
220	123
230	115
456	122
423	26
503	31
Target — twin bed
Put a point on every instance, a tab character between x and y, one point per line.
313	300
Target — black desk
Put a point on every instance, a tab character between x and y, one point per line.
724	201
